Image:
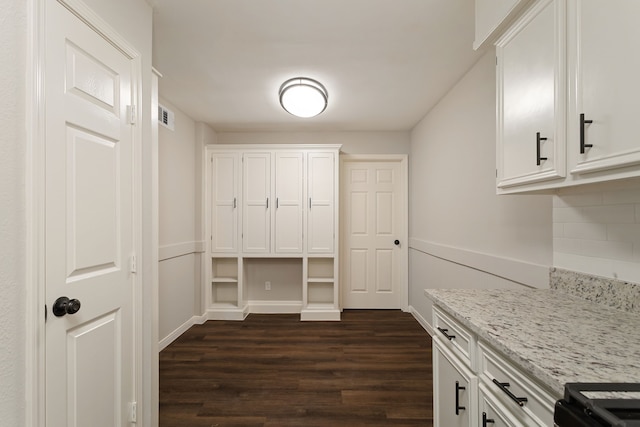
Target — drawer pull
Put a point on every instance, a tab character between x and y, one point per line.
458	407
503	386
444	332
486	420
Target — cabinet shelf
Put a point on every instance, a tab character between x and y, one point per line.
320	280
224	280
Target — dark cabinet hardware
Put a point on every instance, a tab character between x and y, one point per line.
539	140
458	407
486	420
64	305
503	386
267	203
444	332
277	202
582	123
234	203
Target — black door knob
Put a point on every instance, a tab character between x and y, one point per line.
396	242
64	305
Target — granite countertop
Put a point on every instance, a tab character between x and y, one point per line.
555	337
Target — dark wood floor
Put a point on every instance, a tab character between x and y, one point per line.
371	369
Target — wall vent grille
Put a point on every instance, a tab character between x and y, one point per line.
166	117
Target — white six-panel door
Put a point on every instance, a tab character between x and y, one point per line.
89	214
373	218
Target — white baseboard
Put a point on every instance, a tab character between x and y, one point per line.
195	320
427	327
525	273
275	307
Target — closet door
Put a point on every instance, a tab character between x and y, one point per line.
321	202
288	202
224	200
257	203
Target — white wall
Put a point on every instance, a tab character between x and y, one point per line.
596	229
352	142
180	246
461	233
13	31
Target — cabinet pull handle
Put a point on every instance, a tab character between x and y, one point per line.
277	203
486	420
503	386
582	123
234	203
539	139
267	203
309	202
458	407
444	332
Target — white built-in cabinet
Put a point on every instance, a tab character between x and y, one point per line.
475	385
567	95
273	203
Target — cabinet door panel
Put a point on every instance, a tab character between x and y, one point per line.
321	204
604	48
530	98
257	203
289	202
224	197
452	379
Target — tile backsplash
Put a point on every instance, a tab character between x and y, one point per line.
596	230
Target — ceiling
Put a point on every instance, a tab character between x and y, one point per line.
385	63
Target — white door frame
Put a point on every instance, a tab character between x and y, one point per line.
402	159
146	244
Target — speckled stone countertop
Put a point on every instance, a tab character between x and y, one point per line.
555	337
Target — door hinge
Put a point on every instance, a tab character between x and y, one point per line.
133	412
131	114
133	264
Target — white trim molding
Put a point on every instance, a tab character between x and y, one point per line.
421	320
175	250
525	273
175	334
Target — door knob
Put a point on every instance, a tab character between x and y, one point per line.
64	305
396	242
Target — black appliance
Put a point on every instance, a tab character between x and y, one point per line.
579	408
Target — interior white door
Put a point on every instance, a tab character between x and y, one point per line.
289	200
256	205
373	225
89	225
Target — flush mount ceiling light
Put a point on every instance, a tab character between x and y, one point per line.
303	97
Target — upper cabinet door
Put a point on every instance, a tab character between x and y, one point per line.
321	203
257	203
530	97
289	202
225	176
604	48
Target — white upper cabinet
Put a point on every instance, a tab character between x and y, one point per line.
289	201
604	59
321	204
567	69
225	176
530	97
257	202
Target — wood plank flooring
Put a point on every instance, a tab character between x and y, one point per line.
371	369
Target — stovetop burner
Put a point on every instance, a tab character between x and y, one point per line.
599	404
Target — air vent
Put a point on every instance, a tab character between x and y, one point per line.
166	117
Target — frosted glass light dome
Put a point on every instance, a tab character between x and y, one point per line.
303	97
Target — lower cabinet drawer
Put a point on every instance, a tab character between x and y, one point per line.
492	413
517	392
